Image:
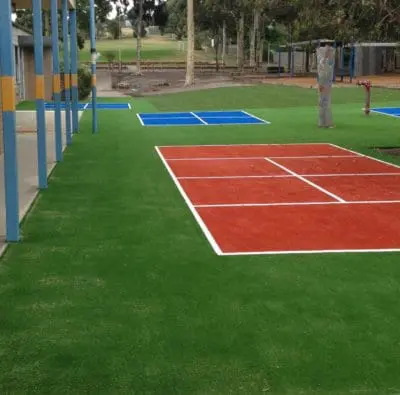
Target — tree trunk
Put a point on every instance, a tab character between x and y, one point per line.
190	45
261	38
253	38
139	38
216	48
240	42
261	52
223	55
308	60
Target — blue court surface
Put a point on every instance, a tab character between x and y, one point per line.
87	106
200	118
391	111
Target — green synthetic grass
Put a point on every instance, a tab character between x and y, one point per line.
152	49
116	290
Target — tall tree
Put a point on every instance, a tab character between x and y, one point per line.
142	14
189	80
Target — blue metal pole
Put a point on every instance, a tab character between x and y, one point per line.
7	90
93	61
67	84
56	80
74	71
40	110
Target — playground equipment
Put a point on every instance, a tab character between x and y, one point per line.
346	62
300	58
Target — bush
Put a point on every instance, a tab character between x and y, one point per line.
84	82
110	56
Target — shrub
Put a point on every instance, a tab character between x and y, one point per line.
84	82
110	56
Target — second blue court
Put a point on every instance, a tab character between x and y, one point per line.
390	111
200	118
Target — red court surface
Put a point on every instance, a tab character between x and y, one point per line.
294	198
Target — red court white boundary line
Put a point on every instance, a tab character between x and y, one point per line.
366	156
263	157
290	176
310	252
243	145
336	202
196	215
211	239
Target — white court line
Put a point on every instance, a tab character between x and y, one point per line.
263	157
253	116
367	156
169	125
310	252
168	118
242	145
291	176
385	113
140	119
196	215
297	204
306	181
200	119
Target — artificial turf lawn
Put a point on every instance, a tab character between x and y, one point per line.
116	290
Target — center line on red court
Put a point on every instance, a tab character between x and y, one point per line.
339	199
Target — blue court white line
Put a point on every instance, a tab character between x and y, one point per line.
200	118
101	106
390	111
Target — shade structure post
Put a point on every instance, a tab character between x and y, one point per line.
74	71
93	54
56	81
67	70
40	93
8	102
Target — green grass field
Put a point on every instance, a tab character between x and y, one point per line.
154	48
115	290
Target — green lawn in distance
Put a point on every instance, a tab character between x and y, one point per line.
114	288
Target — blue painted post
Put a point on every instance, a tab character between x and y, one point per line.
93	53
7	91
74	71
56	80
40	110
67	69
